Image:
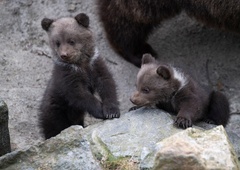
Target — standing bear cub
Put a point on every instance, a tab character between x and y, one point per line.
78	76
170	89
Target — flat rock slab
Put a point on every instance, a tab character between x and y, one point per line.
69	150
133	131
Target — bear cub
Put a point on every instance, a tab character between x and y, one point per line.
170	89
80	81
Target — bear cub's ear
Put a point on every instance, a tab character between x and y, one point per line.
46	23
147	58
164	72
82	19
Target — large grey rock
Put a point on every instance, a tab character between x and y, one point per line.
129	142
136	134
69	150
4	132
195	149
134	130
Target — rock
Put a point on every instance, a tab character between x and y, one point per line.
133	131
71	7
130	142
68	150
4	132
114	143
196	149
233	131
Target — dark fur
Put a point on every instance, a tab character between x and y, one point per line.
157	85
128	23
76	77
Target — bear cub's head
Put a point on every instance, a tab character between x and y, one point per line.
70	39
155	83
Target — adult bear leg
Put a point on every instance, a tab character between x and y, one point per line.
129	38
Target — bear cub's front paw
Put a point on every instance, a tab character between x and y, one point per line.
111	111
183	122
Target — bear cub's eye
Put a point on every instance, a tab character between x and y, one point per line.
146	90
71	42
58	43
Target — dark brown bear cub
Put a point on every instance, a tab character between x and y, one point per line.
128	23
79	74
170	89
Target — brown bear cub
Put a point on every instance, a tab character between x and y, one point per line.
170	89
79	74
128	23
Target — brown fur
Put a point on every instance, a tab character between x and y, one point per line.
169	89
78	74
129	23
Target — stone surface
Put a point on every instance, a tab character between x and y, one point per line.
135	130
136	134
234	133
196	149
131	141
4	132
69	150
